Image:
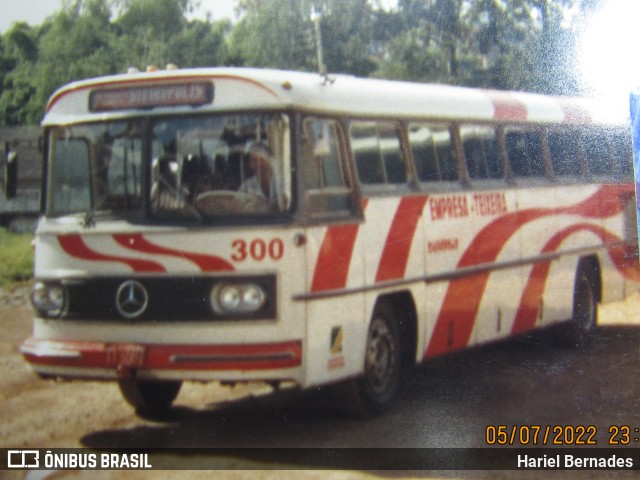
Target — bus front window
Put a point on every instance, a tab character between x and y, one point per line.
221	165
95	167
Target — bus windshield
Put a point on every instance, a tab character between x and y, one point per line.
198	166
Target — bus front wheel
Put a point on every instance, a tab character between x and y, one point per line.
149	395
376	389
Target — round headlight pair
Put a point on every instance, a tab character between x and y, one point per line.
237	298
48	298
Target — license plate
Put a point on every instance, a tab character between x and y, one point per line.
125	355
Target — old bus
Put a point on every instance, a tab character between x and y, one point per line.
258	225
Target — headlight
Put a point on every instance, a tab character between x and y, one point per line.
237	298
48	299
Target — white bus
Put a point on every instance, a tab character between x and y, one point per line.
258	225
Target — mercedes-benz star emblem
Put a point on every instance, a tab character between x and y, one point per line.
132	299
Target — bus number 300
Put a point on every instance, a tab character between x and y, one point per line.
257	249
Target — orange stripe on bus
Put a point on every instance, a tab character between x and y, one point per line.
206	263
462	300
74	245
398	245
507	107
334	259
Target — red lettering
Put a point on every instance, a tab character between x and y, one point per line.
449	207
258	249
488	204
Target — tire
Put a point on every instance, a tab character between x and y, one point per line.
375	391
150	396
585	308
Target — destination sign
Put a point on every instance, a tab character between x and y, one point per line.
151	96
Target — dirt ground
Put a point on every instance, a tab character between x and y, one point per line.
49	414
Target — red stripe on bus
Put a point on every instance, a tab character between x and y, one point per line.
61	353
396	251
334	259
462	300
206	263
529	307
74	245
624	261
268	356
507	107
574	113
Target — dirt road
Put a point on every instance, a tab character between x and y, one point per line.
448	403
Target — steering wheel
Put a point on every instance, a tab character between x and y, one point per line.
229	201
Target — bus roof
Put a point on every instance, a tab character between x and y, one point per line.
226	89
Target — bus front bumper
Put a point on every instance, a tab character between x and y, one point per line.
75	359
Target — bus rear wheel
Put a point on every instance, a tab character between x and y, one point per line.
150	396
585	308
376	389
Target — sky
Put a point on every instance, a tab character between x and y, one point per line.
35	11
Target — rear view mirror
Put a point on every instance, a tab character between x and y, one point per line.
10	173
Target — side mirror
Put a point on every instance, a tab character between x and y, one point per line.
11	174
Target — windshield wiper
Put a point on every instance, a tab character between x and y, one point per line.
89	217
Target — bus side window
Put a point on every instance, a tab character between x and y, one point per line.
323	164
326	184
524	150
433	152
481	152
564	147
378	154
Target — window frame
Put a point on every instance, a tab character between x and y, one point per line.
399	129
455	149
350	186
545	175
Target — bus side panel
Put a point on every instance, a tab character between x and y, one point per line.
553	228
335	339
471	232
502	287
620	266
395	250
556	303
335	326
449	231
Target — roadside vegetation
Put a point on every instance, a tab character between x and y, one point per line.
530	45
16	258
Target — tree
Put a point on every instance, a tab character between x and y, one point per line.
524	45
504	44
19	54
145	29
200	44
430	46
74	44
346	31
280	34
274	33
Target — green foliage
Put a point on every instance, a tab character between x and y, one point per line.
200	44
504	44
274	33
16	257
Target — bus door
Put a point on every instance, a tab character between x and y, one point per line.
334	256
